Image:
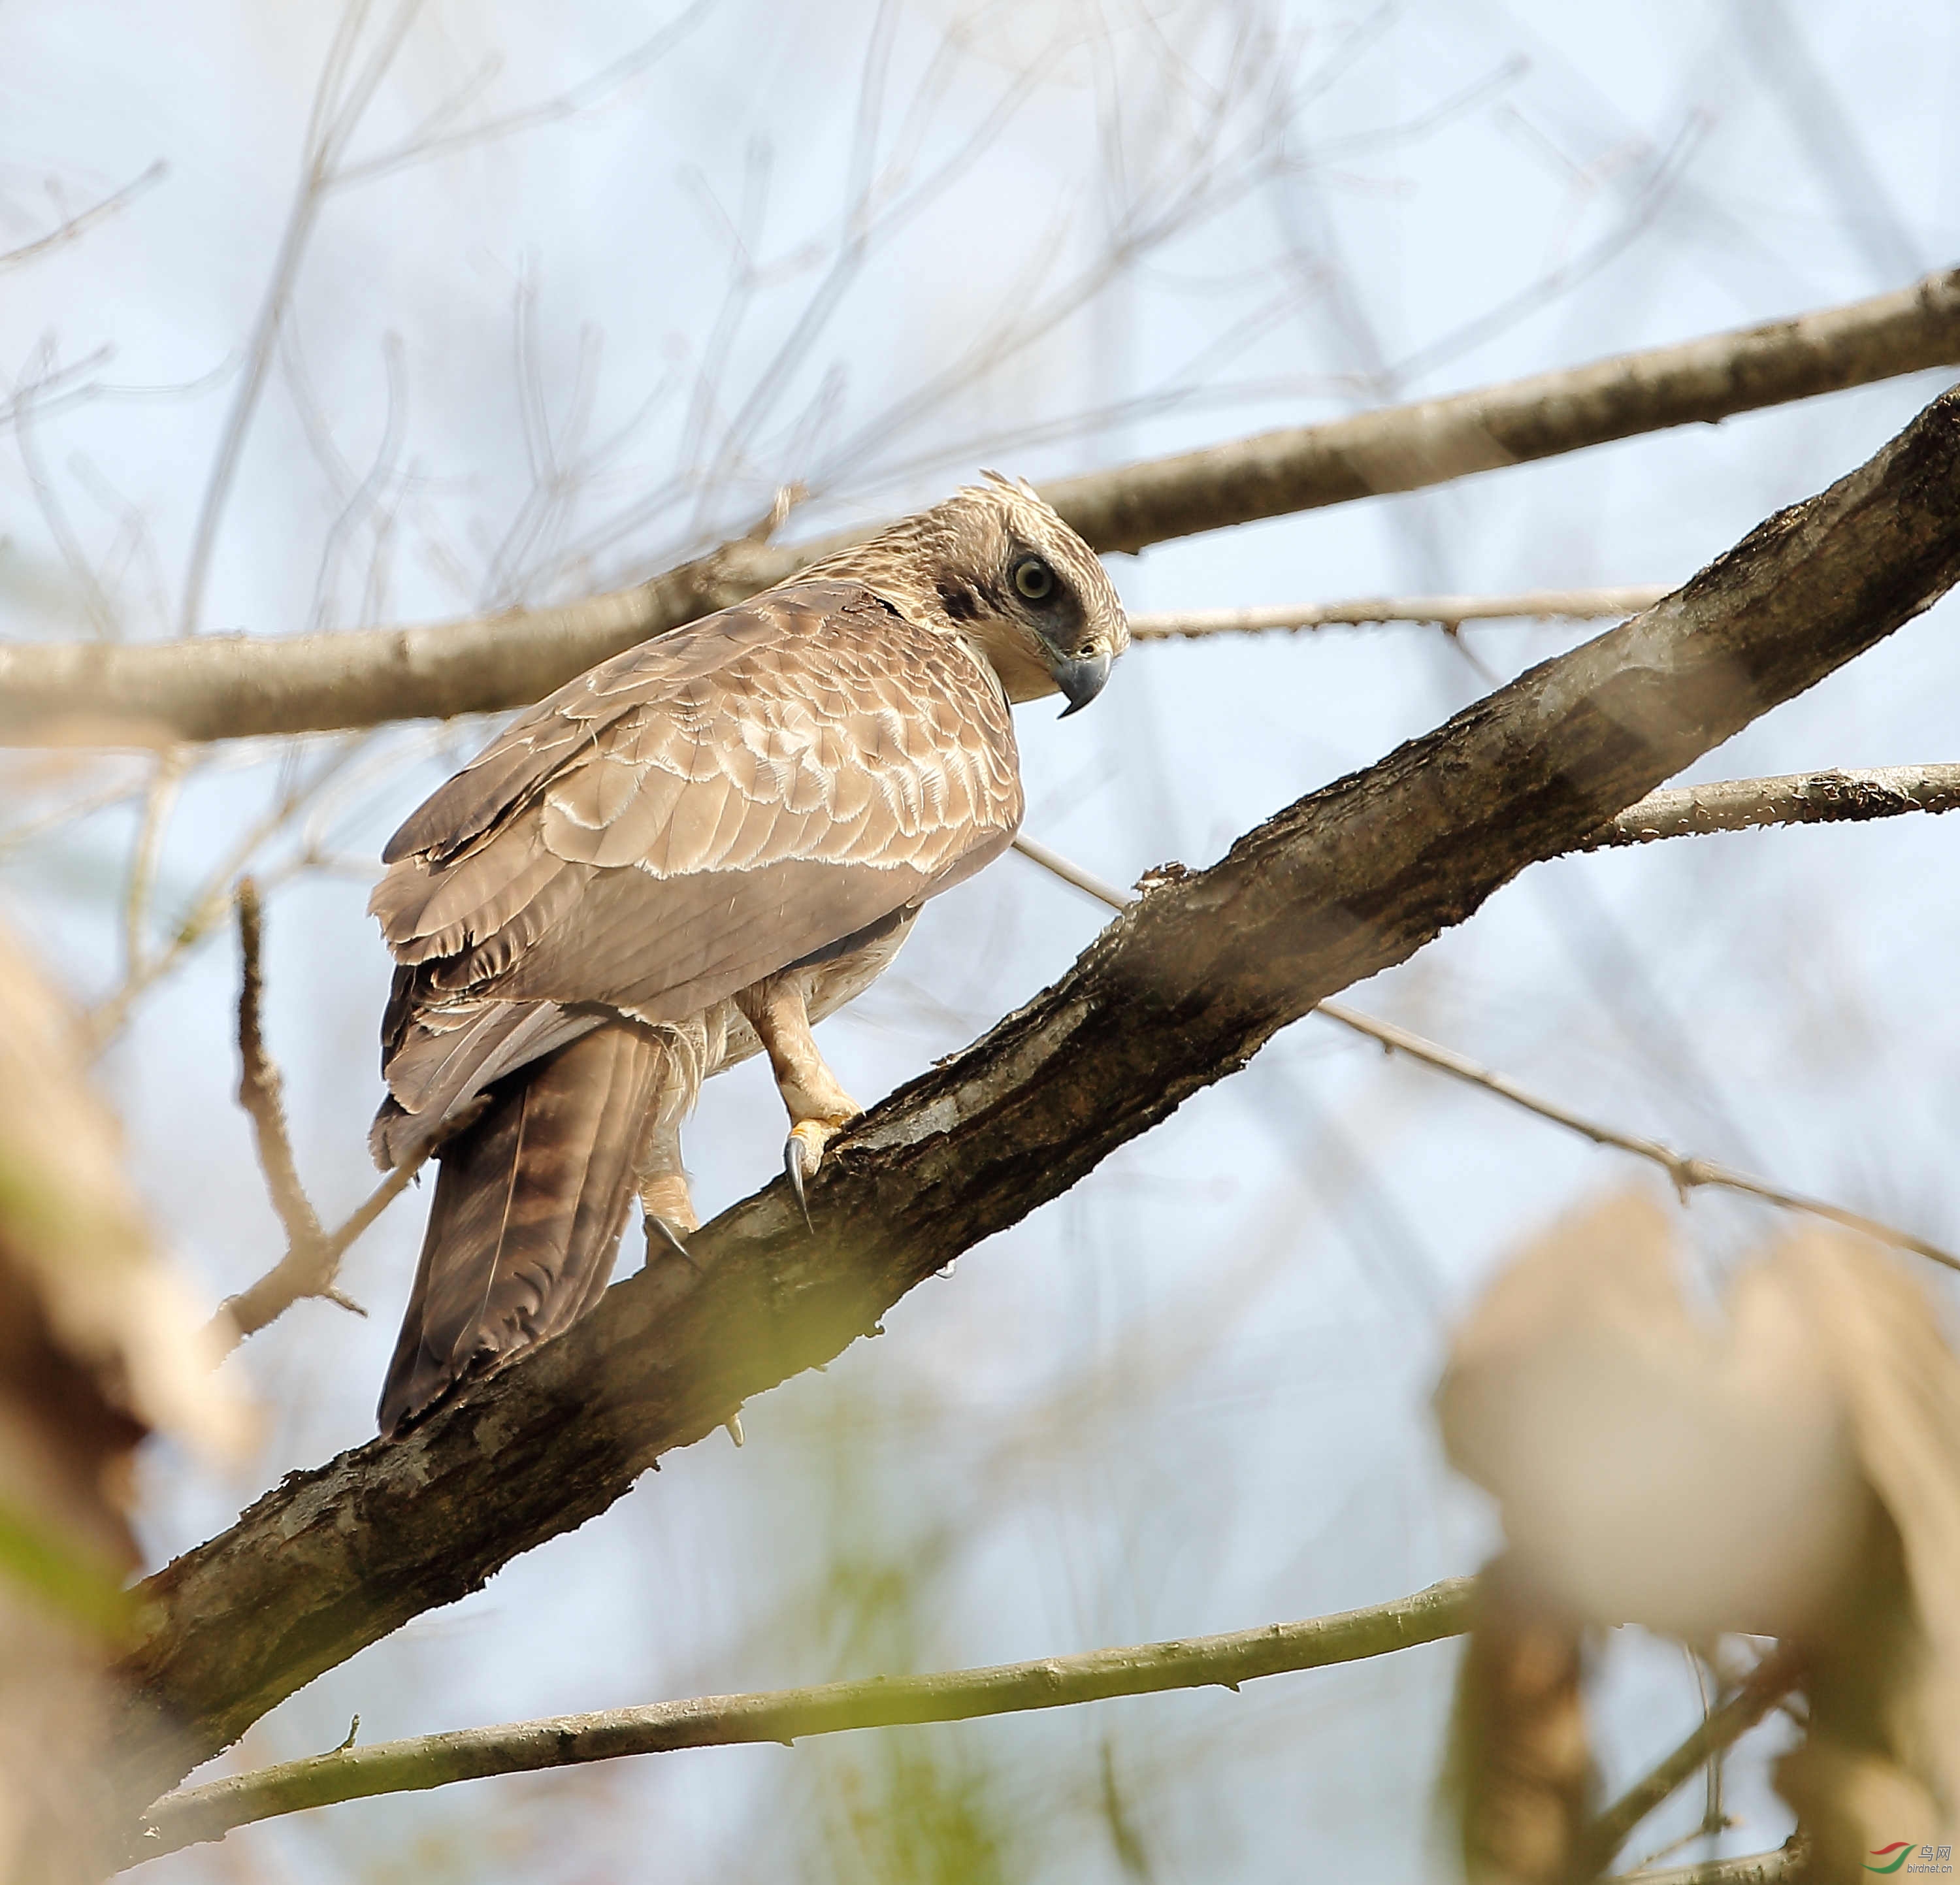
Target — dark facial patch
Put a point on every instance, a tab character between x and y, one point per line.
959	602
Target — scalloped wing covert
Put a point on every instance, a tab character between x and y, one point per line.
701	812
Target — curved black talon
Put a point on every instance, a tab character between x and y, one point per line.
793	1167
659	1228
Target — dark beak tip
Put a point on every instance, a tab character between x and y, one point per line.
1081	681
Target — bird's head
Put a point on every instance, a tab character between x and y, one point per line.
996	566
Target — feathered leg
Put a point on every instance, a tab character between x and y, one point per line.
527	1214
819	1107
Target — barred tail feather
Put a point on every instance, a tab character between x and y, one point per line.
528	1211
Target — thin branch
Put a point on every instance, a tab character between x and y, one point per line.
308	1268
261	1091
333	121
224	690
1688	1174
103	614
282	1286
158	803
312	1261
1761	1690
213	900
1087	881
429	139
1793	798
1787	1865
78	224
199	1813
1178	993
1542	605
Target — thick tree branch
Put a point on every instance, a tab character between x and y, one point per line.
786	1715
215	689
1431	441
1178	993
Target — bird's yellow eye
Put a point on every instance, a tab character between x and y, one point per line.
1034	579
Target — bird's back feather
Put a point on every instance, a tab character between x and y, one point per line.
528	1209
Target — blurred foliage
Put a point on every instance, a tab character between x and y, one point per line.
1792	1469
532	366
901	1807
98	1346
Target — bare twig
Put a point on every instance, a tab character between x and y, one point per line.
1792	798
1762	1688
1788	1864
70	227
1577	605
208	906
347	87
308	1266
1688	1174
212	690
1087	881
43	374
261	1092
285	1284
335	117
208	1812
313	1256
158	802
432	139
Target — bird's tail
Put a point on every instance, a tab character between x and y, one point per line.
528	1209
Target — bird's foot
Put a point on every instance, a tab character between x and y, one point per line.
803	1153
659	1232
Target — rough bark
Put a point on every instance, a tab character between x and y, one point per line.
215	688
1180	990
1834	797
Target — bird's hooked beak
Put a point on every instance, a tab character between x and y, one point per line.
1080	680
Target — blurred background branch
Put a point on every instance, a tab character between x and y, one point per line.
1743	804
312	1259
209	1812
241	687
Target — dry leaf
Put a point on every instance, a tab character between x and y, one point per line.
1520	1774
1649	1469
98	1345
1792	1469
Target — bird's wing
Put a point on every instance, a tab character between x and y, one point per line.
703	810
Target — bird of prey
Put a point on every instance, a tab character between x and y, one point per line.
685	857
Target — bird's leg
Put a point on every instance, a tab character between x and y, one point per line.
662	1183
819	1108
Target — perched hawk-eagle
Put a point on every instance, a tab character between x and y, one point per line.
685	857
